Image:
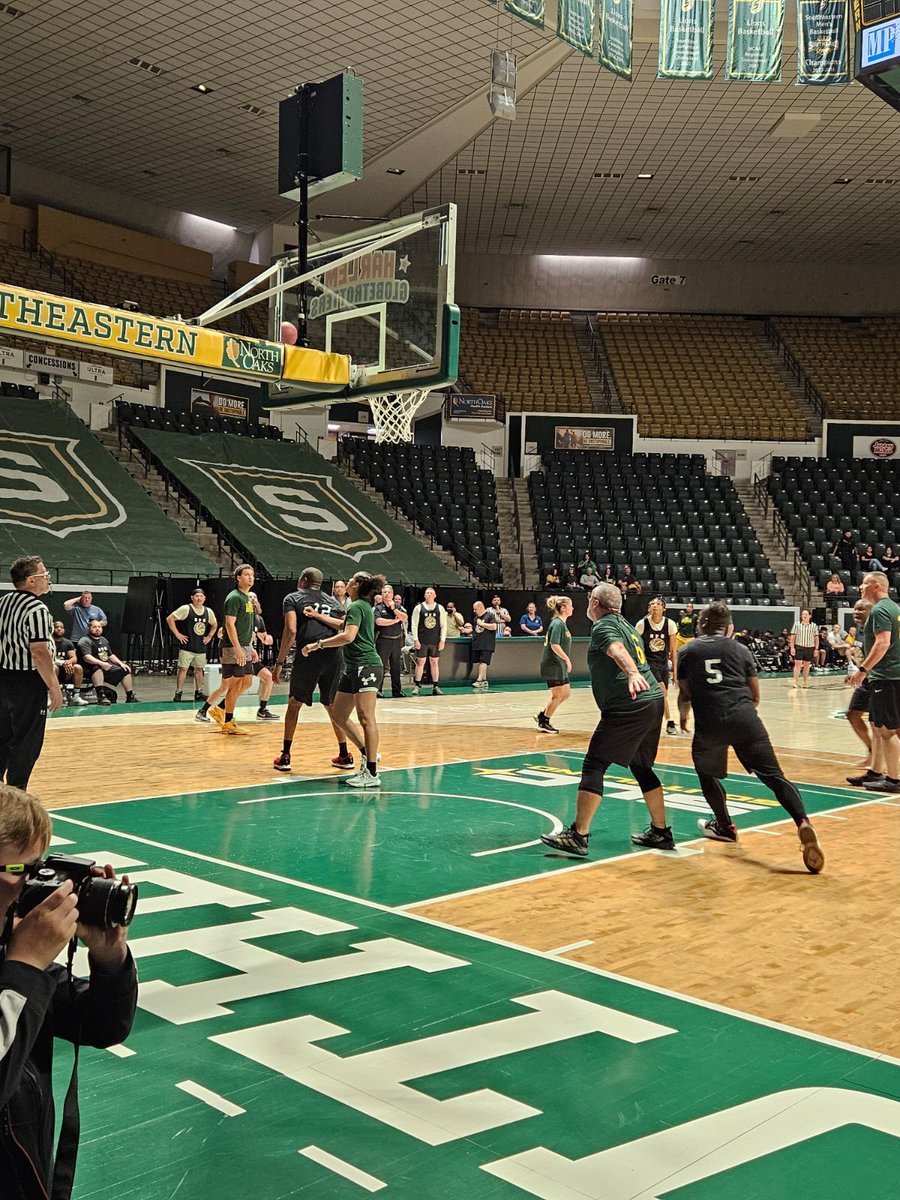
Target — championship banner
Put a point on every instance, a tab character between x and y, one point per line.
529	10
593	437
616	24
823	43
62	319
215	404
755	41
686	39
575	24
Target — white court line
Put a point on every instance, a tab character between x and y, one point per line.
571	946
345	1169
457	931
829	817
213	1099
121	1051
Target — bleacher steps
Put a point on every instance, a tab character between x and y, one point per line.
784	568
768	351
532	577
594	377
509	538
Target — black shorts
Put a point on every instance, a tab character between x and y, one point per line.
361	679
861	699
482	656
660	672
558	681
629	736
804	653
749	740
111	677
884	703
427	651
236	671
320	671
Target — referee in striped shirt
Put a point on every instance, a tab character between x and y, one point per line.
803	641
28	683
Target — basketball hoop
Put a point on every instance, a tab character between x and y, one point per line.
393	414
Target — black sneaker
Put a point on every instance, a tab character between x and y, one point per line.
883	784
540	718
672	729
546	727
199	697
176	699
282	763
865	779
570	841
203	715
717	832
654	839
104	701
131	698
436	691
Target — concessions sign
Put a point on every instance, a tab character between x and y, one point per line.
480	408
575	437
216	404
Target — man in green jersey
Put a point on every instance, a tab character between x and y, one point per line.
631	708
881	668
238	655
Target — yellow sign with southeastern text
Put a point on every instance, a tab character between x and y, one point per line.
140	335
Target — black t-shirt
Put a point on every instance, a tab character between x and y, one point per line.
486	639
716	670
384	613
308	628
60	649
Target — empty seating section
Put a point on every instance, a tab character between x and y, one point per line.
530	360
151	416
698	376
684	533
818	498
7	388
852	364
442	491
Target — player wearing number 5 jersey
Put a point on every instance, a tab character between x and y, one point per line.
631	708
718	676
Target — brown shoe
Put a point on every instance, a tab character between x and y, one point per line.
813	855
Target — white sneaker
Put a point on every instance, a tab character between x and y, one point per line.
363	779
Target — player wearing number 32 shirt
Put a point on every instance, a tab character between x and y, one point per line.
718	676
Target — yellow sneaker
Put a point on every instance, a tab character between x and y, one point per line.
234	729
217	714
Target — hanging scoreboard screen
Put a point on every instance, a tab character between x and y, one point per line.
878	48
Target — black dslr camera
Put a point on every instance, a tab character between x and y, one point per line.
102	903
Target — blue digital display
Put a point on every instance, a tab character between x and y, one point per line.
879	43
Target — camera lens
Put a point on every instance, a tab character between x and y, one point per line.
104	903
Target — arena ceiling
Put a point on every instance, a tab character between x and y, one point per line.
74	103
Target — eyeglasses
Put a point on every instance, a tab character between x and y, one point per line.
31	868
41	575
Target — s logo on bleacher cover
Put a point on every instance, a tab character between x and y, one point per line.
45	485
300	508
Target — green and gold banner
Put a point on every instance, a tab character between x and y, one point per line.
755	41
823	42
140	335
686	39
528	10
616	24
575	24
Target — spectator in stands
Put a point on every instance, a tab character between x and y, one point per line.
84	610
456	622
105	668
627	584
69	670
585	565
571	584
530	624
193	626
890	560
390	633
868	560
551	579
264	641
339	593
502	617
484	639
589	579
835	586
838	643
844	550
820	652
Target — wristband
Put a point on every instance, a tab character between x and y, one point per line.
319	644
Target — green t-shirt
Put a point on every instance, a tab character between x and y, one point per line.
608	683
361	651
557	635
239	605
884	615
687	625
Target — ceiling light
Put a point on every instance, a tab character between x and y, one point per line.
471	171
654	208
645	175
744	178
881	180
777	212
224	151
202	88
252	108
607	174
82	99
843	179
395	171
795	124
145	66
632	239
10	11
147	171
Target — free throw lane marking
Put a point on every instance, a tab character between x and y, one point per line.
345	1169
211	1098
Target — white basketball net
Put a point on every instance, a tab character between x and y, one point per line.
393	414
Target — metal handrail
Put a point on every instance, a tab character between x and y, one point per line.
793	364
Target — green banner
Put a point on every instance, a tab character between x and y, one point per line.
823	43
755	41
528	10
575	24
686	39
616	23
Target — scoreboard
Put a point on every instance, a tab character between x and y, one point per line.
877	57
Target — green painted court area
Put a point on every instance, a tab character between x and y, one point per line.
296	1038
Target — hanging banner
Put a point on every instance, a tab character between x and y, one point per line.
686	39
616	24
575	24
528	10
755	41
823	43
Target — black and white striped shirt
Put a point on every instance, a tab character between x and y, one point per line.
24	621
806	636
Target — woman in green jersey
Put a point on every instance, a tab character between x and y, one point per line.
362	678
556	665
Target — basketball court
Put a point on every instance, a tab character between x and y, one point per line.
407	992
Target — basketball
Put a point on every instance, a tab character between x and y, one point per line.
288	333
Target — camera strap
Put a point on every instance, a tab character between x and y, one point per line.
70	1129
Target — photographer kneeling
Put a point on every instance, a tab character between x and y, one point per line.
37	999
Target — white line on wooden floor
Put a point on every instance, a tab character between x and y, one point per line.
211	1098
571	946
340	1167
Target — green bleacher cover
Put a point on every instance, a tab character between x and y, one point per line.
290	508
63	496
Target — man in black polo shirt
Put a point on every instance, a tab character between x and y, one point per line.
390	633
718	676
